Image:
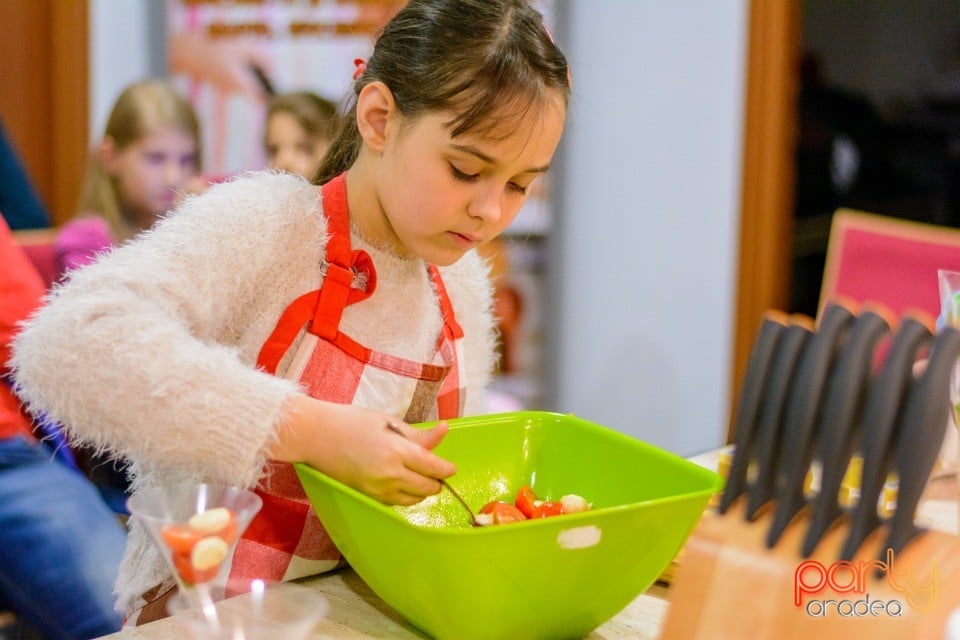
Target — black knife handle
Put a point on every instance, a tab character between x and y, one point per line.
770	418
842	403
800	420
880	414
771	328
920	434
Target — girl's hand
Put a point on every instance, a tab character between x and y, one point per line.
356	447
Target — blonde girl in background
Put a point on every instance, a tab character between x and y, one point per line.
270	321
298	131
148	157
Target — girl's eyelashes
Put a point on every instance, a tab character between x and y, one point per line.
463	177
473	177
190	161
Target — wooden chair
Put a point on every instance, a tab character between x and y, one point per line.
893	262
38	244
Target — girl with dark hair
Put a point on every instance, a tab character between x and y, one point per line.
268	320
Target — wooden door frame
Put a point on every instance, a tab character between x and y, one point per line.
44	84
768	179
71	104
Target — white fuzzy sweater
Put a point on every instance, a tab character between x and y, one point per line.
150	351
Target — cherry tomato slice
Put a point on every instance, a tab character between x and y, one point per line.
180	538
547	509
526	500
220	522
503	512
189	573
229	533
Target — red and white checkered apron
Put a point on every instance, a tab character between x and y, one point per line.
286	541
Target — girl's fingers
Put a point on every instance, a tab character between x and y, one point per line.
405	495
413	487
418	485
426	438
430	438
426	463
418	457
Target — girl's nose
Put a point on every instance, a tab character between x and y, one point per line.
285	159
174	174
486	204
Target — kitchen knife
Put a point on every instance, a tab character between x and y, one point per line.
920	432
800	419
771	328
880	415
770	415
842	403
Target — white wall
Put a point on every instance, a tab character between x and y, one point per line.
643	266
122	50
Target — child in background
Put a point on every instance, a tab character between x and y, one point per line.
148	158
299	129
268	321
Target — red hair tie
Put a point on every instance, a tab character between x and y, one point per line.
361	66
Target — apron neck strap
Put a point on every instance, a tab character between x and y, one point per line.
323	308
343	263
337	213
452	328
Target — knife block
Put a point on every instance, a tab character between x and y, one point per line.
731	586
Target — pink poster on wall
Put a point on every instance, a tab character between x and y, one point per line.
227	55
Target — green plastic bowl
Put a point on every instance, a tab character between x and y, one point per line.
557	577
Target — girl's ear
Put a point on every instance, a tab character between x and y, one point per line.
375	109
107	154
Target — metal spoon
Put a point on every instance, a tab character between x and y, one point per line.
473	518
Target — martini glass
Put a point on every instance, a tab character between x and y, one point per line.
282	610
196	528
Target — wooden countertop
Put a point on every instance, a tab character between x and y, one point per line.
356	612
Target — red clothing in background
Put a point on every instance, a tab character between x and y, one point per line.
21	291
